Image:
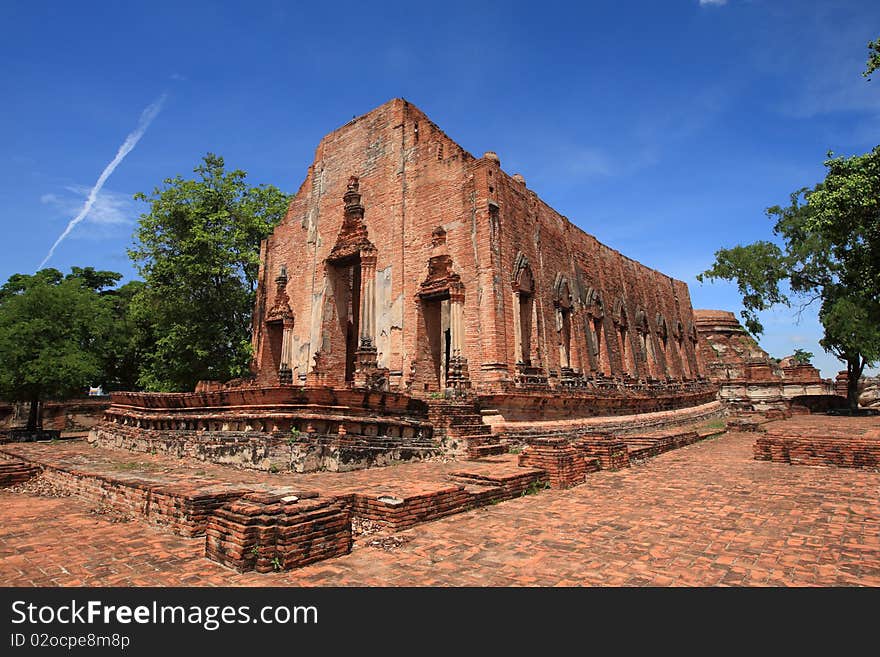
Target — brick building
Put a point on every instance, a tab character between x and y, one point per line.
417	300
405	263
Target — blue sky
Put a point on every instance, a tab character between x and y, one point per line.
664	128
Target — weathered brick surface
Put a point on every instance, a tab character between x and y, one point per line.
705	515
749	378
564	464
266	532
844	442
413	181
611	451
173	494
272	428
182	509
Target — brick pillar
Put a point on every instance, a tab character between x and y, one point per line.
285	374
564	464
519	356
368	374
368	299
457	377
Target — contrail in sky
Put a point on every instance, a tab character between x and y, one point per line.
130	142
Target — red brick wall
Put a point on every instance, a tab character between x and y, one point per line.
413	179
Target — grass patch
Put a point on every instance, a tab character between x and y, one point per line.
536	487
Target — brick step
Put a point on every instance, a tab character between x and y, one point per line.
469	431
593	464
512	484
481	451
466	422
14	472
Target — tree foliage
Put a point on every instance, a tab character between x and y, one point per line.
198	252
802	356
873	58
54	330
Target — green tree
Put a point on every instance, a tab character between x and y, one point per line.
126	348
53	332
198	252
873	58
802	357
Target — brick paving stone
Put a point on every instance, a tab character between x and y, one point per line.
704	515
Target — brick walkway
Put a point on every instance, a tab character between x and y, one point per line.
707	514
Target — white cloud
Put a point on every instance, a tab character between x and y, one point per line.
717	3
130	142
109	209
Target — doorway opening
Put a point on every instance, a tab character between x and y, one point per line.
438	334
345	281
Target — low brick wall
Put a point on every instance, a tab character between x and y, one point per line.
520	430
643	447
266	532
564	464
400	513
509	486
744	424
610	451
182	510
841	441
854	452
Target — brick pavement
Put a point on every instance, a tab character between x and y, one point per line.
706	514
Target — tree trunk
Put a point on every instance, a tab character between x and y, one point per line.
853	375
34	423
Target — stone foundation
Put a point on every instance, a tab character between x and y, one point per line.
272	428
271	452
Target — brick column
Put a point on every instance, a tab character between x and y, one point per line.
368	299
457	377
285	373
368	374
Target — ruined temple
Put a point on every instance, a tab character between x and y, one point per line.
417	299
405	263
749	378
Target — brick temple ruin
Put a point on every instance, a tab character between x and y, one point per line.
749	379
415	300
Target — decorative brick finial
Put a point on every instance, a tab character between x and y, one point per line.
352	198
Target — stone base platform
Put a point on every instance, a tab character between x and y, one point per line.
272	428
839	441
